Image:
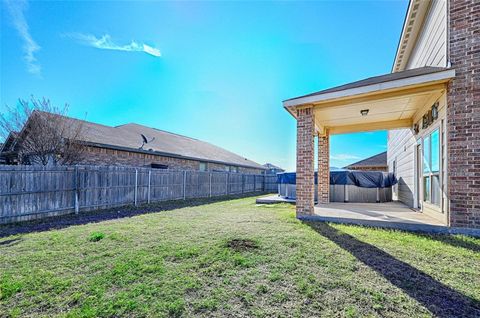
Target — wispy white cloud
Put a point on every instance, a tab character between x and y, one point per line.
105	42
344	157
16	9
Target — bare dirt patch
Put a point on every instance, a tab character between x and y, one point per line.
242	245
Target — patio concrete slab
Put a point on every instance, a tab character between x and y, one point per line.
381	212
272	199
393	215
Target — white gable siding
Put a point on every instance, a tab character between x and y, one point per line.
430	50
431	45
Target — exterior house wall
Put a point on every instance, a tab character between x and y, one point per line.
431	44
400	154
402	160
463	121
440	211
449	36
430	50
113	157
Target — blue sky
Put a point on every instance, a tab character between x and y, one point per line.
224	67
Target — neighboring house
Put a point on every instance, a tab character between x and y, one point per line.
272	169
373	163
430	103
124	145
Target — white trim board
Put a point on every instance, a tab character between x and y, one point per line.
394	84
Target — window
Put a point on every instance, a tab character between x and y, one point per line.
158	166
203	166
431	168
231	168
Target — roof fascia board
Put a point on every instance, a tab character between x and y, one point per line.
402	34
395	84
413	23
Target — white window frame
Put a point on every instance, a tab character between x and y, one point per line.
430	174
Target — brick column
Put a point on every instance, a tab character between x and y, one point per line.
463	114
305	154
323	168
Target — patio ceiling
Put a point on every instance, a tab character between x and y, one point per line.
392	100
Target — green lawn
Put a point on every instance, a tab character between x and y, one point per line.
237	259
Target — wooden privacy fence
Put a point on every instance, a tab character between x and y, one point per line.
271	183
29	192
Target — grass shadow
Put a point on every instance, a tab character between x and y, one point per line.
10	242
455	241
64	221
441	300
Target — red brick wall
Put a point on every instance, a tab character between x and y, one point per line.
104	156
463	114
305	153
324	168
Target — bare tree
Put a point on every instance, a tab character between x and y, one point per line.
42	133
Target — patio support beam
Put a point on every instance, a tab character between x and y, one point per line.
380	125
305	161
323	176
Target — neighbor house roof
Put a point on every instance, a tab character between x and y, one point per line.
374	81
379	160
128	137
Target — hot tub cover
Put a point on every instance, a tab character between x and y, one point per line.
364	179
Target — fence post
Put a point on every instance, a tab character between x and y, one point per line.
149	178
243	183
77	190
185	184
210	191
264	177
135	193
226	183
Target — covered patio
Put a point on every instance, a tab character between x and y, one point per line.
391	101
389	214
